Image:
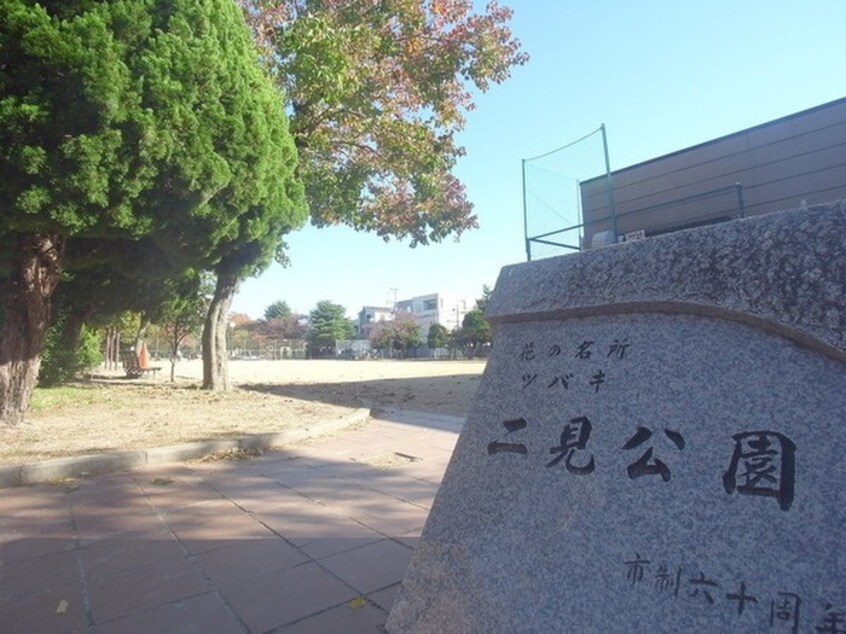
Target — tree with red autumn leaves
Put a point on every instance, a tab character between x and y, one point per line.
376	91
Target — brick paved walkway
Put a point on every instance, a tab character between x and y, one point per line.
309	540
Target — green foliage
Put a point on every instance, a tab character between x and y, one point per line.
277	310
377	92
184	298
69	107
327	323
145	136
63	359
230	114
475	329
482	302
438	336
148	122
183	308
126	322
107	279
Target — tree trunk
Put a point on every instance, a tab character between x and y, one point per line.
143	322
24	318
72	332
215	367
112	353
177	334
173	346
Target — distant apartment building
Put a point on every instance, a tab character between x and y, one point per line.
434	308
369	316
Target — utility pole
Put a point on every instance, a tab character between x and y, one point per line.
394	289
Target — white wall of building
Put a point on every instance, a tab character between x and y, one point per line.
369	316
447	310
441	308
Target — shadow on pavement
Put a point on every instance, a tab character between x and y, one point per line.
312	539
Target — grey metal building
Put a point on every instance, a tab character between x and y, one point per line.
791	162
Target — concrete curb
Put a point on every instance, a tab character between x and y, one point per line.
95	464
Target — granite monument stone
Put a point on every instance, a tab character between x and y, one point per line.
658	443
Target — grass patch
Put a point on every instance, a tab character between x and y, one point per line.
47	398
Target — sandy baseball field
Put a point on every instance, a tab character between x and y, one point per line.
111	413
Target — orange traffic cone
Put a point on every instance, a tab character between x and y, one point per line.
143	356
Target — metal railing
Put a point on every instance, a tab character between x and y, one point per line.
615	219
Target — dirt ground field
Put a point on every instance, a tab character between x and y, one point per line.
111	413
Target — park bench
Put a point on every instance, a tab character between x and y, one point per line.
133	369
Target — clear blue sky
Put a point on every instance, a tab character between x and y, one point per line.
660	75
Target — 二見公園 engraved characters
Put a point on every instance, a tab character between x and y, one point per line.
763	463
574	438
501	446
647	464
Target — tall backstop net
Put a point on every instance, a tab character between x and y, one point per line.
552	194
